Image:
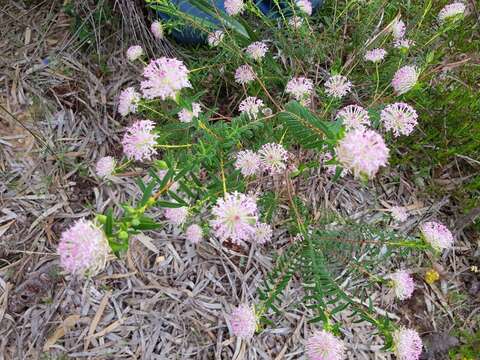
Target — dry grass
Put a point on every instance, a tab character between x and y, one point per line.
164	299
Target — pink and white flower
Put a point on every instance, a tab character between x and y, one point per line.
235	217
304	6
251	106
263	233
354	117
139	140
401	118
323	345
296	22
128	101
176	216
362	152
456	9
247	162
134	52
105	166
165	78
398	29
338	86
257	50
405	79
402	284
234	7
437	235
157	30
273	157
215	38
244	74
403	44
83	248
407	344
186	115
299	88
375	55
194	233
399	213
243	322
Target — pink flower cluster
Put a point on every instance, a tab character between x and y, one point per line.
244	74
437	235
362	152
375	55
450	11
399	213
243	322
354	117
299	88
83	248
407	344
157	30
248	162
128	101
405	79
323	345
403	284
304	6
139	140
251	106
134	52
215	38
165	78
194	233
105	166
186	115
338	86
401	118
176	216
257	50
271	157
234	7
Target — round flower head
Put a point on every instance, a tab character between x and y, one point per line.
128	101
403	44
407	344
176	216
105	166
322	345
157	30
251	106
437	235
402	284
375	55
398	29
401	118
165	78
134	52
304	6
247	162
234	7
331	169
399	213
273	157
337	86
215	38
244	74
299	88
354	117
139	140
187	116
295	22
450	11
83	248
243	322
263	233
235	216
194	233
404	79
362	152
257	50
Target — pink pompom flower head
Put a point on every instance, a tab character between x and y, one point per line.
83	248
194	233
134	52
235	217
186	115
105	167
234	7
263	233
165	78
305	6
452	11
273	157
405	79
157	30
375	55
354	117
215	38
176	216
407	344
244	74
437	235
139	140
257	50
323	345
247	162
401	118
402	283
296	22
128	101
338	86
243	321
251	106
398	29
300	88
362	152
399	213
